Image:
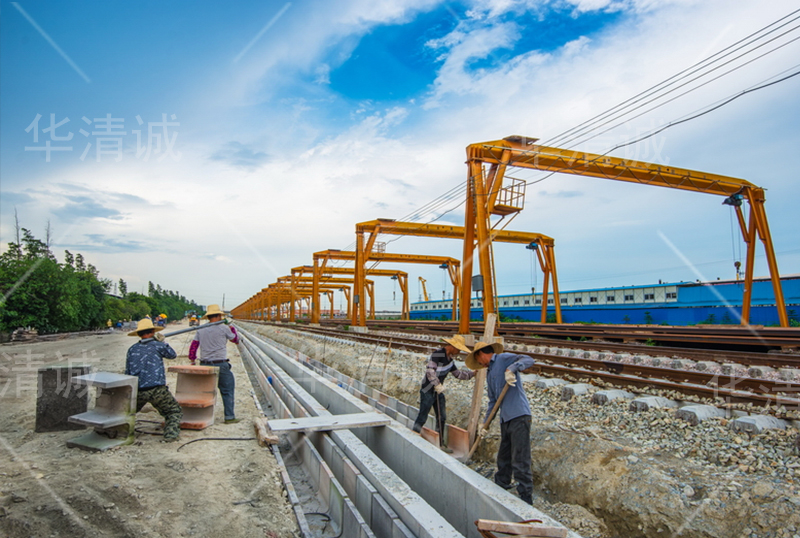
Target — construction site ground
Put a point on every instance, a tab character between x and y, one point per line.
150	488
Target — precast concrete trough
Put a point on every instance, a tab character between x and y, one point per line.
388	477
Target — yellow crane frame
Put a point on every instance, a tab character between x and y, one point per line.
487	196
359	314
401	276
542	244
422	282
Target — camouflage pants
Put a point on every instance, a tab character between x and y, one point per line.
166	405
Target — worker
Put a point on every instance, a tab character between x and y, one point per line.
212	342
145	362
109	324
514	454
431	393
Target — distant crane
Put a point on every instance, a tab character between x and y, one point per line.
422	281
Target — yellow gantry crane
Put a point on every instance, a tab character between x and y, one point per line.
422	282
543	245
486	196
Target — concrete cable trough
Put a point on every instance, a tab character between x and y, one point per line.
379	481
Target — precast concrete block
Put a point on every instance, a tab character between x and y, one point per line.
661	361
695	414
574	389
759	371
682	364
705	366
788	374
757	424
57	399
365	493
602	397
358	329
729	368
546	383
646	403
638	359
383	517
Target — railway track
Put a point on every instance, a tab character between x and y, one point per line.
736	338
779	398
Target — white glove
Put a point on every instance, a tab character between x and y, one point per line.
159	337
483	433
439	388
511	378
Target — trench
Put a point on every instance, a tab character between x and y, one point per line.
382	481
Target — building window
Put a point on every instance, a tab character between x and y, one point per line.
592	299
610	299
537	301
578	299
672	295
549	301
649	296
527	301
629	297
516	302
563	300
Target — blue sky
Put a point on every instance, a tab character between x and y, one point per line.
288	122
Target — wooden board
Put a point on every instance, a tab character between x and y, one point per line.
527	530
328	423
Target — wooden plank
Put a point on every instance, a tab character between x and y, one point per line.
263	434
527	530
480	382
328	423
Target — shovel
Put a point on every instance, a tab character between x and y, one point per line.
487	423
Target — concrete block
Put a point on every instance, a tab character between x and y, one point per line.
682	364
662	362
646	403
360	330
695	414
574	389
788	374
757	424
602	397
114	415
550	382
57	399
759	371
638	359
196	392
730	368
704	366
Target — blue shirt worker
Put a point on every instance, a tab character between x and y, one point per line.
145	361
212	343
431	393
514	454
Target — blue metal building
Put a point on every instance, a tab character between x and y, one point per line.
682	303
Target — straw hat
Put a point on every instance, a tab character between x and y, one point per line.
213	309
472	362
457	342
144	324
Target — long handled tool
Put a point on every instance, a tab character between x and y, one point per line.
190	329
488	422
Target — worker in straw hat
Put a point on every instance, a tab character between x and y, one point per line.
431	393
514	454
145	362
212	343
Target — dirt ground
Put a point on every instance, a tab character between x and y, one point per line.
150	488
